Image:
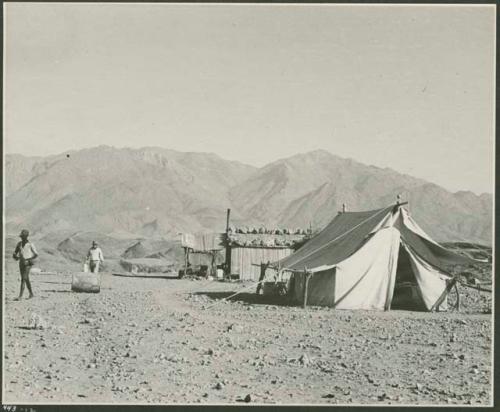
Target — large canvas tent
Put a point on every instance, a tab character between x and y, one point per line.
361	260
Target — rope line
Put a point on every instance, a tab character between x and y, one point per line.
234	294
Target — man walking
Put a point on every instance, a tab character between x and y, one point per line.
95	257
25	253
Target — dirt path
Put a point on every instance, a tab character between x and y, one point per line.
151	340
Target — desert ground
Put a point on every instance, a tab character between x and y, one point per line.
158	339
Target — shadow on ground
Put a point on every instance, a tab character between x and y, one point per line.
250	298
172	277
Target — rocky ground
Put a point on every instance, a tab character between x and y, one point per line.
159	340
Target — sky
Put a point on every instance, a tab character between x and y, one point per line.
405	87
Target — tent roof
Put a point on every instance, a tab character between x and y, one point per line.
429	250
348	231
337	241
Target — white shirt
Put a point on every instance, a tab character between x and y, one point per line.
25	252
95	254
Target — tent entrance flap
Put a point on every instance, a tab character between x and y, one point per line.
407	294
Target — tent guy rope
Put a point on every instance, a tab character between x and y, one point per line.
234	294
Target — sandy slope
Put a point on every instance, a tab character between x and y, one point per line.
151	340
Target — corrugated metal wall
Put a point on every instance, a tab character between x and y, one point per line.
242	259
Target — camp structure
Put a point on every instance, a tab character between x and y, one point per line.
374	260
240	251
248	248
203	252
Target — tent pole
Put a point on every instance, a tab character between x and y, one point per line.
263	268
228	247
305	287
447	290
458	297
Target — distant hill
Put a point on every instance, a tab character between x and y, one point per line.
154	192
147	192
310	188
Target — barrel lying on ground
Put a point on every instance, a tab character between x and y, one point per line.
86	282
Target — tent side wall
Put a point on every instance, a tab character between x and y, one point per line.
243	257
363	281
431	281
320	289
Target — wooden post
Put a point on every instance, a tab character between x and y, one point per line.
185	262
263	268
305	288
228	247
398	199
344	208
213	269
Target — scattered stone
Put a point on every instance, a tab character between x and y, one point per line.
304	360
248	398
37	322
219	386
235	328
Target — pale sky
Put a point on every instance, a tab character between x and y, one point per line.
405	87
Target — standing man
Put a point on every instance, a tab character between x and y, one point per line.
95	257
25	253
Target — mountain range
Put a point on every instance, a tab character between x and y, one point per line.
154	192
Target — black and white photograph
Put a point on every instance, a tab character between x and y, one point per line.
248	204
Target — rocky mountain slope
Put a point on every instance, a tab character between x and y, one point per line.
154	192
147	192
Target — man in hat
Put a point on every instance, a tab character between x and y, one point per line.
25	253
95	257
